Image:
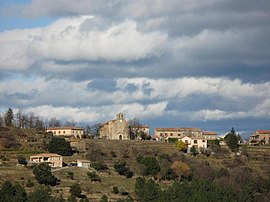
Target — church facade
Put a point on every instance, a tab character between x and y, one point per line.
116	129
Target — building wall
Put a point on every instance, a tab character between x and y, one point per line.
115	129
52	160
66	131
196	142
165	133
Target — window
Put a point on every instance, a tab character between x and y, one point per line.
64	132
54	132
59	132
186	141
171	134
195	142
203	141
178	134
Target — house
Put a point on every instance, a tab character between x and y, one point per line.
54	160
210	135
197	142
116	129
66	132
140	128
165	133
83	163
260	137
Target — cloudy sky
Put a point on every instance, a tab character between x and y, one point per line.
170	63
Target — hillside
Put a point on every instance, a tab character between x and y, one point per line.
253	164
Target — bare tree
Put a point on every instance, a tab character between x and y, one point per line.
134	128
53	122
70	123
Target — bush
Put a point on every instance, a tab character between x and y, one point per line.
29	183
99	166
115	190
121	168
93	177
113	154
75	190
22	160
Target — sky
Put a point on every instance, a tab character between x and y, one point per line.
169	63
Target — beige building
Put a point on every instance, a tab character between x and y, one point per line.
83	163
54	160
210	135
140	128
116	129
197	142
165	133
260	136
66	131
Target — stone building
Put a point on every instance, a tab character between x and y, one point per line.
116	129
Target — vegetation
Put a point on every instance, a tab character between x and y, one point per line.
99	166
121	168
60	146
43	174
75	190
150	163
93	177
180	146
22	160
231	140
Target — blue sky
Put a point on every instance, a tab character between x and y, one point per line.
169	63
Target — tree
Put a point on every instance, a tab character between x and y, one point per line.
193	150
41	194
22	160
53	122
146	190
232	140
75	190
151	165
43	174
180	146
9	117
12	193
60	146
181	169
134	128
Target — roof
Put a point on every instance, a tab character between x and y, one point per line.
194	138
65	128
140	126
209	133
47	155
263	131
83	161
178	129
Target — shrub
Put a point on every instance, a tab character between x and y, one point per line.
71	175
113	154
29	183
75	190
22	160
115	190
93	177
99	166
121	168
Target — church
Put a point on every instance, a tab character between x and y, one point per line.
116	129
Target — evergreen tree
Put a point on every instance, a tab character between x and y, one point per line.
60	146
9	117
231	140
43	174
